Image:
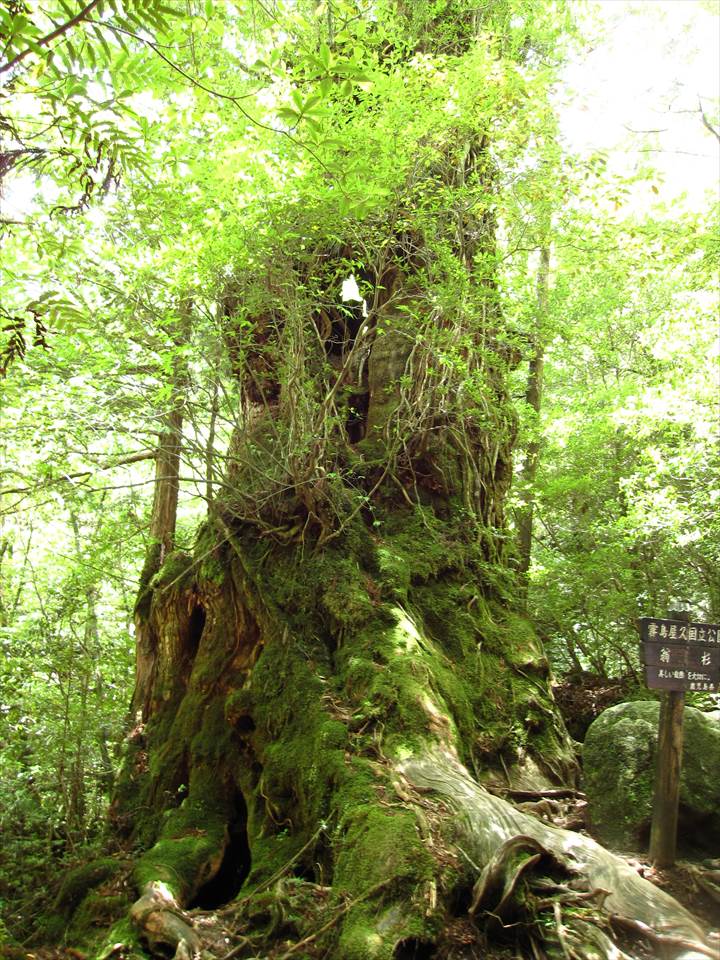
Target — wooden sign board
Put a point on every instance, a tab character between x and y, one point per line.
680	655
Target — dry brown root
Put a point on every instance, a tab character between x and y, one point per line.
707	879
523	864
161	922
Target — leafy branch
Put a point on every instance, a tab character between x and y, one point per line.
45	41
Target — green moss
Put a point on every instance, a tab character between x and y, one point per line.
172	572
123	933
80	909
150	568
446	609
395	572
346	598
378	844
270	854
395	697
701	774
95	914
176	567
212	558
51	929
300	744
423	544
192	836
619	774
211	744
76	883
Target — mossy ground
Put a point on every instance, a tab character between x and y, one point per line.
91	898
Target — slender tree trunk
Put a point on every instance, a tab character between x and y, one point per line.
533	397
167	473
164	513
210	446
4	615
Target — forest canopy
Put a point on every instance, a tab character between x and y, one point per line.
324	295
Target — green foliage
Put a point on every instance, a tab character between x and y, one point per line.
70	74
629	463
66	668
250	164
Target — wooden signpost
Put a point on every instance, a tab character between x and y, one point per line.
679	655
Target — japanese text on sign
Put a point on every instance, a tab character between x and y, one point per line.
680	655
655	629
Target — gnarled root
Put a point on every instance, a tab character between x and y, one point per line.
161	922
583	895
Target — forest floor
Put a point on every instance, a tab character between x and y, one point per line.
692	883
695	883
685	881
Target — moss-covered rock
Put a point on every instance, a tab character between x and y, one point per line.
619	766
77	882
91	896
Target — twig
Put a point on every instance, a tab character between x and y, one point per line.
244	941
706	122
111	465
331	923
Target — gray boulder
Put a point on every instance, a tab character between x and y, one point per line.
619	770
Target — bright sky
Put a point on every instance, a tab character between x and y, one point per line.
652	60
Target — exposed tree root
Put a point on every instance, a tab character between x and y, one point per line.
162	924
557	893
528	867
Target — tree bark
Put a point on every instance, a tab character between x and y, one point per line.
533	398
161	540
308	763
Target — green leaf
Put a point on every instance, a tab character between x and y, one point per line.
288	115
311	104
325	56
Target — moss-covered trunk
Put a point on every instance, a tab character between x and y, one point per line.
293	685
322	750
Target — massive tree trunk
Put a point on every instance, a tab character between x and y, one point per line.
343	692
327	739
339	699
